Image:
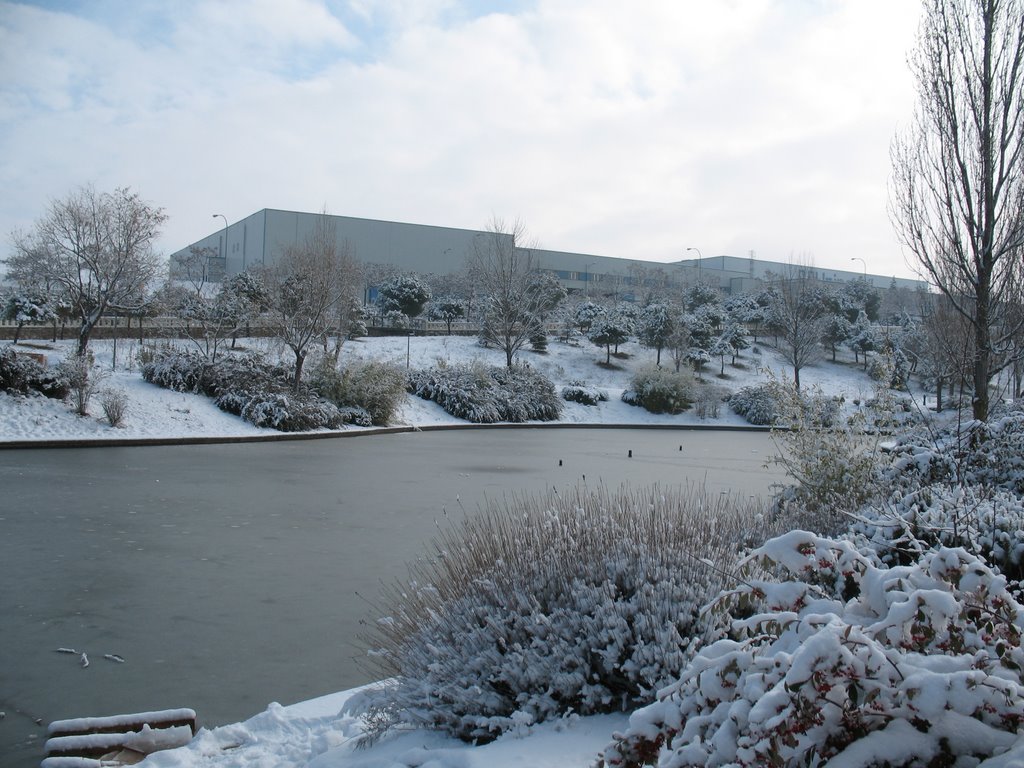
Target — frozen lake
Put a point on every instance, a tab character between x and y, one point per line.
230	576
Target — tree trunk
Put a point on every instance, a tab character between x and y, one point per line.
300	358
17	332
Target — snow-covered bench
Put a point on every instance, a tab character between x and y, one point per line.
117	740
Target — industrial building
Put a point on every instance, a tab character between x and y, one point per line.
259	240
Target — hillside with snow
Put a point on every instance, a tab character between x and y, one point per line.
154	413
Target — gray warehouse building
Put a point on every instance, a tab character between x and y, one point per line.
259	239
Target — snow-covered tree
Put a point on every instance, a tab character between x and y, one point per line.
863	337
608	330
407	294
799	318
97	247
447	310
655	326
24	308
585	314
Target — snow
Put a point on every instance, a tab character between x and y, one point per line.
155	413
320	733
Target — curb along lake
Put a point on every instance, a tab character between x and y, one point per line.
231	576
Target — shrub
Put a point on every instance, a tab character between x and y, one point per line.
376	388
115	405
660	390
249	372
832	656
580	392
171	368
578	602
291	413
487	394
245	385
353	414
708	401
83	380
21	375
525	394
758	404
986	523
835	462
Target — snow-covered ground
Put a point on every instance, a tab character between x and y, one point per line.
160	413
319	733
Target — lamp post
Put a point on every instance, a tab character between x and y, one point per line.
224	255
700	258
864	263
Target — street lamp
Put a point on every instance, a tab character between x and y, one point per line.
858	258
700	258
225	254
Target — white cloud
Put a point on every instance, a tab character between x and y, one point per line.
610	128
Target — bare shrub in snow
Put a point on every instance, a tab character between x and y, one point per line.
834	461
584	394
377	388
661	391
832	658
83	380
583	602
115	405
486	394
708	401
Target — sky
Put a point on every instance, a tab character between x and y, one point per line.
636	130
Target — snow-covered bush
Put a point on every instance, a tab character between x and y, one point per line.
242	373
978	453
245	385
660	390
578	602
526	394
757	404
486	394
21	375
173	368
353	414
289	412
988	523
376	387
832	658
584	394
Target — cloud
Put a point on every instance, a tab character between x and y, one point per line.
609	128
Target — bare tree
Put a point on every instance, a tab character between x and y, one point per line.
799	318
306	287
98	247
502	266
958	187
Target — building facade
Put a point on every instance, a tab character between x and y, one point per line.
260	239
